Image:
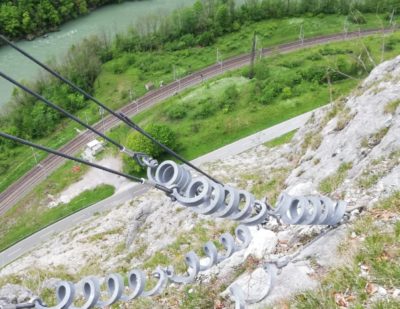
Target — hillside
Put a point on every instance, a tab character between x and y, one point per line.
349	150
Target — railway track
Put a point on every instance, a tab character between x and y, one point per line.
25	184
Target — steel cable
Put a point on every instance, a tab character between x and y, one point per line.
90	288
60	154
120	115
209	198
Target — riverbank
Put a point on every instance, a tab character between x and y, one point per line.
107	20
247	114
123	78
29	19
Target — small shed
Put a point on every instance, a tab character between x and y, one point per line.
94	147
149	86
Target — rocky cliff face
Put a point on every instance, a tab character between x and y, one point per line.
348	150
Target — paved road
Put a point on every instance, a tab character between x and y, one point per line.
130	191
25	184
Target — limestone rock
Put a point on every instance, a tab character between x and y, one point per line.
263	243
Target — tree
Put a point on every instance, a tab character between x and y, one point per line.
222	18
9	20
139	143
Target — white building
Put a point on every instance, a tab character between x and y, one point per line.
92	149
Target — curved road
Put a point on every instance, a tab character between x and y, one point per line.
25	184
132	190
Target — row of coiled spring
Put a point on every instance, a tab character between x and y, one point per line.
206	197
89	289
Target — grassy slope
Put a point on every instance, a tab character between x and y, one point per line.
378	252
219	129
201	135
34	220
113	88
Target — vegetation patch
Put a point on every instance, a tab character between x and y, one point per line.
281	140
378	169
375	138
332	182
174	253
391	107
31	222
375	264
116	72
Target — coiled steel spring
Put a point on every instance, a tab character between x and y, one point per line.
309	210
206	197
66	292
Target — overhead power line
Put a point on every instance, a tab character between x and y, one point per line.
59	109
120	116
61	154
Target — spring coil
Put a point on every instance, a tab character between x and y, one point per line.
66	292
309	210
207	197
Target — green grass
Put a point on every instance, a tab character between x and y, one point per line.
283	139
114	88
332	182
198	133
379	251
25	220
391	107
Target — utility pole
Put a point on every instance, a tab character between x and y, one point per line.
34	156
260	48
392	21
219	58
133	99
301	35
346	28
101	113
253	56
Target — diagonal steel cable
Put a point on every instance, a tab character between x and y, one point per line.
120	116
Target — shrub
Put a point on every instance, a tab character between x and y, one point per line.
138	142
205	109
206	38
229	98
286	93
356	17
177	111
314	74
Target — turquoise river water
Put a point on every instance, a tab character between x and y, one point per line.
109	19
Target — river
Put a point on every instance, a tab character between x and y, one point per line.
109	19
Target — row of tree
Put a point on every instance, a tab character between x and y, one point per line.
29	18
202	23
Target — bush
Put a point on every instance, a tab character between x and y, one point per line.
205	109
269	93
314	74
229	99
206	38
139	143
286	93
356	17
177	111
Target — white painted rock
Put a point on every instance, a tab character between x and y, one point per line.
263	243
12	294
255	286
293	279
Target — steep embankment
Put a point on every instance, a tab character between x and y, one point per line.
349	150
